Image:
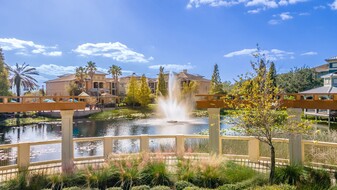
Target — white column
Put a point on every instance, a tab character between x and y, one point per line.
23	156
144	144
67	141
180	145
107	142
295	140
214	130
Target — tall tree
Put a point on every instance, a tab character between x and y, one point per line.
161	85
189	89
81	75
116	71
91	69
131	92
23	76
73	89
144	92
4	82
261	114
298	80
216	85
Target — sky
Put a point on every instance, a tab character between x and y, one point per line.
56	36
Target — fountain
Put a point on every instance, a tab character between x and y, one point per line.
172	108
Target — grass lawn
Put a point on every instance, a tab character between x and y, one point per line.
25	121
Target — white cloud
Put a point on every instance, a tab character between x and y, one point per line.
273	54
240	52
334	5
254	11
319	7
23	47
280	18
273	22
310	53
117	51
286	16
55	70
248	3
172	67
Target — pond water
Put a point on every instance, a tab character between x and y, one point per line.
89	128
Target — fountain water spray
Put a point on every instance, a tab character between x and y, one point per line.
172	108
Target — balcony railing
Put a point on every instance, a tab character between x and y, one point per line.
98	149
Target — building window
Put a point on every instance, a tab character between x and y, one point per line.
327	81
101	85
334	65
95	84
335	81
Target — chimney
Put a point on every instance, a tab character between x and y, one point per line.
185	71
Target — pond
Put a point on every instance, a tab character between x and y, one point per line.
89	128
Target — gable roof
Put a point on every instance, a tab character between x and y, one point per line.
63	78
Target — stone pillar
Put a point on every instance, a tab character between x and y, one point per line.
296	156
67	141
107	148
180	145
23	159
214	130
144	144
254	150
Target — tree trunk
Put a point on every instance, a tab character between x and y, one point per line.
272	165
18	92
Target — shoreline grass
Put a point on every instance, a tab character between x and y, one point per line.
10	122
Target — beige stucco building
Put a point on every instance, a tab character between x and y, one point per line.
102	84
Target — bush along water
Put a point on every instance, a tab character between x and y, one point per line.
145	173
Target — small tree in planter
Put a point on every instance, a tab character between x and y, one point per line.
259	109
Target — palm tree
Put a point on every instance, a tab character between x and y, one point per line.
22	76
81	75
91	69
115	71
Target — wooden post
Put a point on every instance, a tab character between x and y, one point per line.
254	150
144	144
67	141
107	146
23	156
214	130
180	145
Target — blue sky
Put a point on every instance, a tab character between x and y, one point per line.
139	35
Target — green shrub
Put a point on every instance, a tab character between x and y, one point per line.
114	188
70	180
155	173
141	187
276	187
18	183
195	188
317	178
128	172
180	185
333	188
258	180
161	188
234	173
186	170
289	174
37	181
72	188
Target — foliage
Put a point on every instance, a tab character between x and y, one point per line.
155	173
189	89
227	87
276	187
161	188
235	173
161	85
318	178
127	113
24	121
23	76
298	80
115	71
73	89
4	82
259	112
144	92
129	171
216	85
289	174
141	187
258	180
80	75
114	188
180	185
91	68
131	91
